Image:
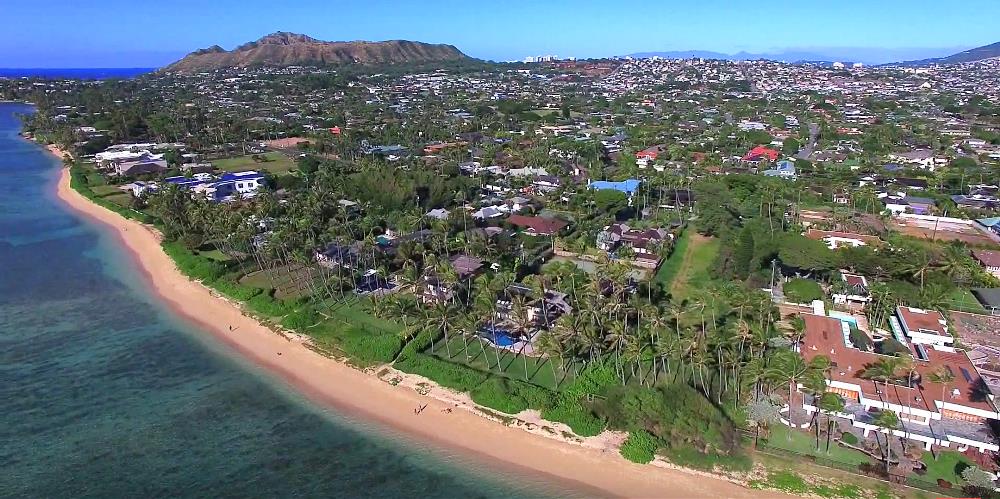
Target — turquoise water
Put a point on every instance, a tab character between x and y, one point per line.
104	393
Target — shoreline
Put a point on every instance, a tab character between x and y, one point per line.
592	466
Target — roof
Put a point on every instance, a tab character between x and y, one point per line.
989	297
627	186
760	151
987	258
918	319
465	264
540	225
820	235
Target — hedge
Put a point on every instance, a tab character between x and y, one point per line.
496	394
371	347
640	447
800	290
444	373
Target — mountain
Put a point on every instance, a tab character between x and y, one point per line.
971	55
290	49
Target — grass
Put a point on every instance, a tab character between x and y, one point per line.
801	442
288	282
122	199
105	190
789	481
276	163
688	265
962	299
948	466
483	357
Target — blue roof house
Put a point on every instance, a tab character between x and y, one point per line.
629	186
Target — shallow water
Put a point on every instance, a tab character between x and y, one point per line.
105	393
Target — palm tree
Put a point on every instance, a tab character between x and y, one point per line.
788	367
829	403
885	370
944	376
888	421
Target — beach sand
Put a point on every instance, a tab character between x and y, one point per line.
594	470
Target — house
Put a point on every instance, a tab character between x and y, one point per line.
834	239
991	225
232	184
647	155
629	187
642	242
140	167
437	213
926	327
761	153
538	226
676	198
466	266
431	290
784	169
908	204
989	260
854	292
935	414
923	158
337	255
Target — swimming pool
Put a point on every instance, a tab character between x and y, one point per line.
499	337
845	318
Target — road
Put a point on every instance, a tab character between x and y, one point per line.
807	151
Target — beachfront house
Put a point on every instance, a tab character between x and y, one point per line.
956	414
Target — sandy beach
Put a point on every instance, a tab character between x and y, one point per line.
592	470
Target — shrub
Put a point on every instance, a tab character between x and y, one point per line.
640	447
802	290
268	305
301	318
192	265
444	373
496	394
371	347
849	438
577	416
235	290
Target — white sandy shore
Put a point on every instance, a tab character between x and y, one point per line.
591	466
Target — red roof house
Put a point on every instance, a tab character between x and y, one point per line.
537	226
760	152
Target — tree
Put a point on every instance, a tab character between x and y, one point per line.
830	403
888	421
788	367
800	252
743	256
761	414
978	479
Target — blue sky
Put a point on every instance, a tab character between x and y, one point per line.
145	33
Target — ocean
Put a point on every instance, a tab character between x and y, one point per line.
106	393
73	73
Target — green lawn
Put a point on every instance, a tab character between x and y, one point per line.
123	199
669	269
962	299
802	442
483	357
289	282
689	264
105	190
948	466
276	163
